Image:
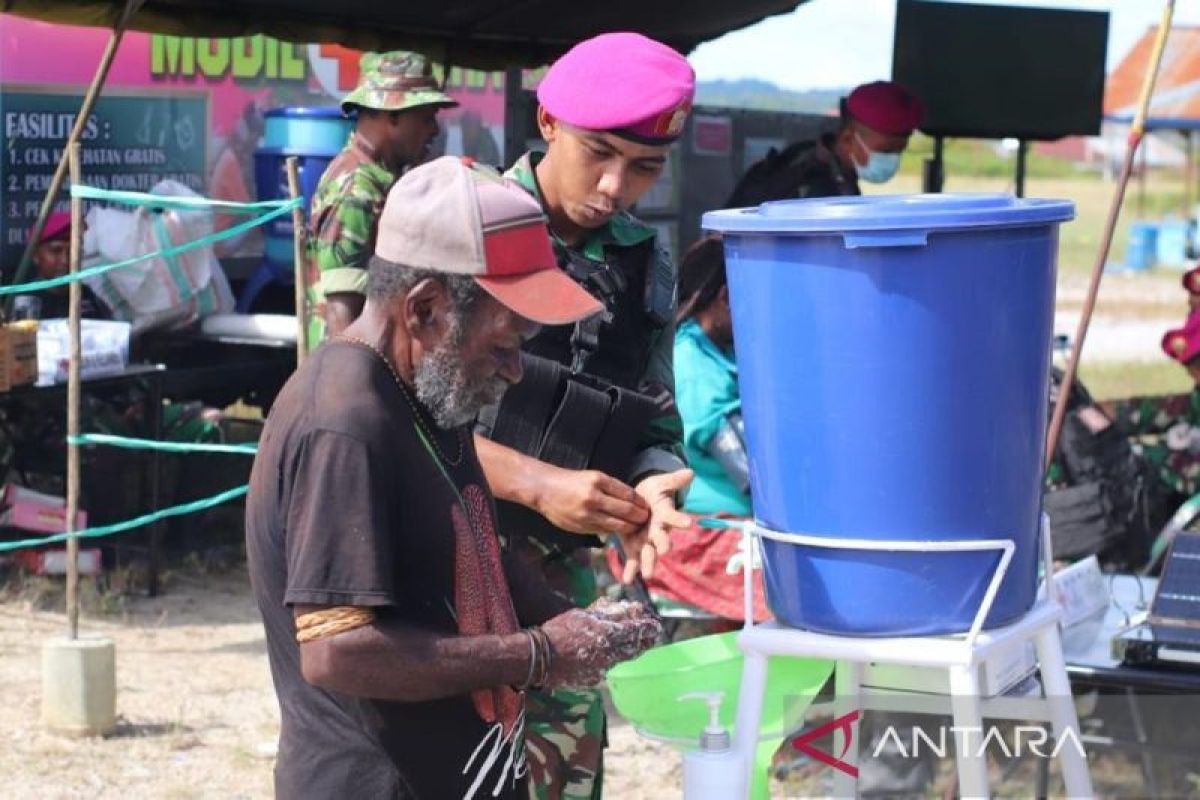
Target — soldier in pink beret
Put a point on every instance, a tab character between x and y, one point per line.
590	444
876	121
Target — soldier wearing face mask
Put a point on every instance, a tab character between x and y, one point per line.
876	121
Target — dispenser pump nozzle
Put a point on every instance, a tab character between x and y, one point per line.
714	737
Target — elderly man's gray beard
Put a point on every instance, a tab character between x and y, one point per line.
442	385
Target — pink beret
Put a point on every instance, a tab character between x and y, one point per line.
625	83
58	226
886	108
1183	344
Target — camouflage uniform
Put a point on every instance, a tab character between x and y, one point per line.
350	195
565	730
1174	422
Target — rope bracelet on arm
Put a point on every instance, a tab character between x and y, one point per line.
330	621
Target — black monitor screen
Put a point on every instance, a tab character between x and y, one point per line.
999	71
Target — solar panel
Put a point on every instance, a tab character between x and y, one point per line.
1177	602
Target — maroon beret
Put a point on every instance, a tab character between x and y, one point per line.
886	108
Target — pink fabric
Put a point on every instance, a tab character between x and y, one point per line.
1183	344
696	572
482	604
621	82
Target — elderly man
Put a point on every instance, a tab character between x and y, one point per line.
395	108
401	641
875	123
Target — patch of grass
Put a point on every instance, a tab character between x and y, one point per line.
979	159
1079	240
1118	380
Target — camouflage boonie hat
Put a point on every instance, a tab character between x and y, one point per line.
395	81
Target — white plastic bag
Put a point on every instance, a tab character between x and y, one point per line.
169	292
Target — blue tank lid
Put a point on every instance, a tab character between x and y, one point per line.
890	213
319	112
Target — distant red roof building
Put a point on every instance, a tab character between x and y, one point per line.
1176	101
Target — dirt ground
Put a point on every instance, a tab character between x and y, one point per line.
197	714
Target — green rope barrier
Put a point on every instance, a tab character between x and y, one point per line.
234	230
160	201
137	522
131	443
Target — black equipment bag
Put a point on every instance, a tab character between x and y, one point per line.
572	420
1109	502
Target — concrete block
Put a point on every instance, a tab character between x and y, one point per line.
79	685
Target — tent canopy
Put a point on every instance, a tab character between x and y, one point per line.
1176	101
485	34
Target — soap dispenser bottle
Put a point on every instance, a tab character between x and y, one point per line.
712	771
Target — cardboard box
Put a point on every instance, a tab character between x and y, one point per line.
21	352
105	345
53	561
37	512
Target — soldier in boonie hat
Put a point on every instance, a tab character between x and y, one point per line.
395	106
395	81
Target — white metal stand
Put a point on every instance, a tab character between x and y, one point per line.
962	656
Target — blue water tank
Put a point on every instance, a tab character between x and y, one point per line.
315	136
1141	249
893	358
1171	247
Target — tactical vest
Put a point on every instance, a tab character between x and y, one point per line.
580	404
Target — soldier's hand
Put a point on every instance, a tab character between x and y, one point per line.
644	546
586	642
586	501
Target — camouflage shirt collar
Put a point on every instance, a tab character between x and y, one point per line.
366	152
623	230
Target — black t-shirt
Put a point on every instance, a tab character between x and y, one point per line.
348	507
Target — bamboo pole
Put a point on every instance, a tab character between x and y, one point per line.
85	111
1136	133
75	298
300	262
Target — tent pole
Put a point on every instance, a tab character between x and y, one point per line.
85	111
1022	154
1189	172
1141	198
74	302
1136	132
299	254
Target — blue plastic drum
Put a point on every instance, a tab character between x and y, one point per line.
315	136
893	358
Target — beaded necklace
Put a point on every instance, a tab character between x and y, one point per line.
427	435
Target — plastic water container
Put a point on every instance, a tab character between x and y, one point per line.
893	358
1141	249
315	136
1171	247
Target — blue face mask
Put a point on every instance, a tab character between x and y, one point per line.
880	167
